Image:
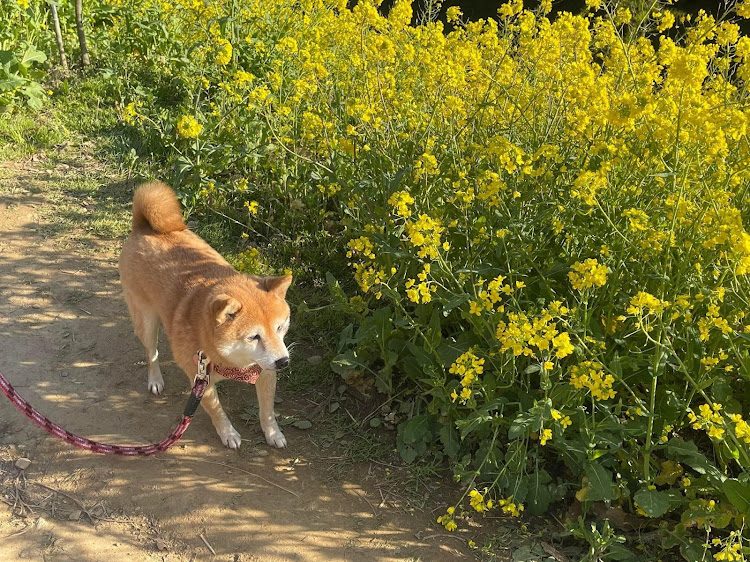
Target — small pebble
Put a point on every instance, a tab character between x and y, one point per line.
315	359
23	463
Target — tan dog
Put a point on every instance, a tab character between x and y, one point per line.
170	276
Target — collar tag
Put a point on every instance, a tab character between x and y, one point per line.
202	362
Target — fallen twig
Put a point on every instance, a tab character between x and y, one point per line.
364	497
72	498
208	545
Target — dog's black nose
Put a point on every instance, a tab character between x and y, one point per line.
282	363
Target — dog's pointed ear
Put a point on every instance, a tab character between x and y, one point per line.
224	307
277	285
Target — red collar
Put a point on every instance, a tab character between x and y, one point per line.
248	374
243	374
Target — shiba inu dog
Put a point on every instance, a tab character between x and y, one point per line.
171	277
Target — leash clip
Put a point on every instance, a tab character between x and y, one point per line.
202	368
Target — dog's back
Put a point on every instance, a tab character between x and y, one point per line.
162	261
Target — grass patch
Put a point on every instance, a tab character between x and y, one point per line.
22	135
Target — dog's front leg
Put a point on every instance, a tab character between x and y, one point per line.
229	436
265	386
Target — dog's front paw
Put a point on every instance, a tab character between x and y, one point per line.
275	438
230	437
155	387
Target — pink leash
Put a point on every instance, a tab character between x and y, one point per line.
199	387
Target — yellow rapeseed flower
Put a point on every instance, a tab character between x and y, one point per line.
188	127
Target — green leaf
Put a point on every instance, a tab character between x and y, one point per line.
539	497
455	302
601	486
738	494
416	429
11	83
375	422
687	452
472	423
302	424
31	56
346	363
449	439
408	454
653	502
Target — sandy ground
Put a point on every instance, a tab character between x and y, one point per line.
67	346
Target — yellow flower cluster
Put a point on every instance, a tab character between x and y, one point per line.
741	427
587	274
477	501
521	334
252	207
368	277
561	418
709	419
489	299
426	165
646	303
732	547
447	520
362	246
713	319
129	113
424	233
223	52
469	367
401	201
590	375
422	291
188	127
545	436
509	507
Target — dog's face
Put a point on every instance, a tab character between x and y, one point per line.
251	320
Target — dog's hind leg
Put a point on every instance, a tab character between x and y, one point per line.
146	326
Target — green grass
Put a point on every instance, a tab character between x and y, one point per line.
22	135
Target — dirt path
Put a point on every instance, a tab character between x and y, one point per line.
67	346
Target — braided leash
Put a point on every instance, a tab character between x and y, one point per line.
199	387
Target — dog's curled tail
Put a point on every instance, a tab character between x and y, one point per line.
155	206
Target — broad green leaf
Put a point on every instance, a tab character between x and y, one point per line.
416	429
11	83
738	494
345	363
408	454
687	452
449	439
653	502
31	56
601	486
472	423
